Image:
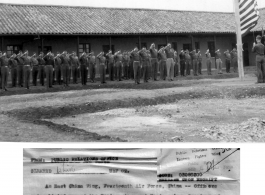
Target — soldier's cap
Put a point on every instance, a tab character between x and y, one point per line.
258	37
34	53
58	52
0	52
20	51
41	52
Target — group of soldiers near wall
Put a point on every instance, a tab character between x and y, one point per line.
135	64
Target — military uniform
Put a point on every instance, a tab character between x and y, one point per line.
26	71
194	62
209	63
260	61
110	59
20	73
74	61
227	61
154	62
83	68
182	63
163	65
118	66
126	60
187	62
136	66
218	62
144	59
41	70
131	71
234	60
102	68
35	68
92	67
170	63
65	69
58	69
199	60
149	68
176	68
49	70
4	72
13	67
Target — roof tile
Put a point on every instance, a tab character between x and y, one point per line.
41	19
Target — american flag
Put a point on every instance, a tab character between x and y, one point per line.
248	14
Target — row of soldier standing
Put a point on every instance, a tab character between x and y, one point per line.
145	63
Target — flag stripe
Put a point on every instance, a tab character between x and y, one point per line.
249	24
246	31
248	15
241	3
250	18
251	3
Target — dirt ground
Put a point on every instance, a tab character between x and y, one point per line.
205	109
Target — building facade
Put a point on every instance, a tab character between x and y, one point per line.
57	28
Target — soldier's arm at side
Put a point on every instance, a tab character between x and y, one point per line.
253	48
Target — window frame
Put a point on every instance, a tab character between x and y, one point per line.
10	52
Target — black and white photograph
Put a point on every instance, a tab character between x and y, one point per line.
132	71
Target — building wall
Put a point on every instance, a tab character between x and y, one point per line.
69	43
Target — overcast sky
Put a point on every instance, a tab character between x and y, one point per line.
202	5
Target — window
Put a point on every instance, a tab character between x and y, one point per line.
83	47
12	49
142	45
211	47
174	45
187	46
197	45
45	49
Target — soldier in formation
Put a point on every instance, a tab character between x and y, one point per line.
258	48
145	63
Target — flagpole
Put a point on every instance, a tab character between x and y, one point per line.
239	41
